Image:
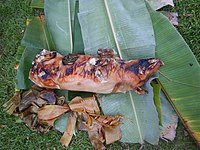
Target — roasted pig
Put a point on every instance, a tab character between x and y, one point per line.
101	74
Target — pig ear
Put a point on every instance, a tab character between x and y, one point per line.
69	59
105	53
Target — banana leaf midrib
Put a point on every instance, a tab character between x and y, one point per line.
120	55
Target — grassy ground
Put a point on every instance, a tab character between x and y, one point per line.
16	135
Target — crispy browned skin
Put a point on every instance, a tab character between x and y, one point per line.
101	74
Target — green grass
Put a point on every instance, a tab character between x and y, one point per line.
16	135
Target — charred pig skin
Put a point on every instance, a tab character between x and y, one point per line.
102	74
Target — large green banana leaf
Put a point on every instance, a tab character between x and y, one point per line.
157	102
27	57
36	37
131	33
60	15
77	36
19	53
126	27
180	76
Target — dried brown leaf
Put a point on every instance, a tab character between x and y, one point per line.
50	112
40	102
16	66
3	126
27	98
110	126
82	126
187	15
13	103
36	107
112	134
71	124
30	120
30	110
107	121
49	96
173	17
101	129
95	132
48	122
25	104
37	88
169	131
88	105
